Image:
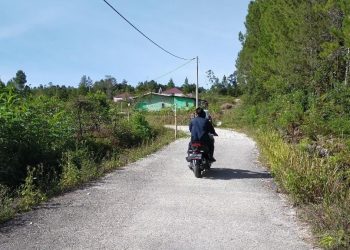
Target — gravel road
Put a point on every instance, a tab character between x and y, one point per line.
157	203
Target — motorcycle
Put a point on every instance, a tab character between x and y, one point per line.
198	157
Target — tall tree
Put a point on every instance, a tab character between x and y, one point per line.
188	88
85	85
170	84
186	81
19	80
107	86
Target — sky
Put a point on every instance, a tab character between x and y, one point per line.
59	41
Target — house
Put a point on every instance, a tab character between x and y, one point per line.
124	97
156	102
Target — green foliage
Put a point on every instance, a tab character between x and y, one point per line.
314	169
227	86
2	84
70	172
55	138
32	132
29	193
85	85
293	70
123	135
6	209
329	114
313	180
140	127
282	52
188	88
19	81
171	84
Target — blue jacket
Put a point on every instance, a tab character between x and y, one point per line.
200	128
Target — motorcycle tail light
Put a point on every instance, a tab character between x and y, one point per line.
196	144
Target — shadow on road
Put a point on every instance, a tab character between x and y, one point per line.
229	173
12	224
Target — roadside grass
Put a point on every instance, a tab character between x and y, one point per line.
75	175
167	117
6	204
318	185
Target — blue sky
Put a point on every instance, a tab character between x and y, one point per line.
58	41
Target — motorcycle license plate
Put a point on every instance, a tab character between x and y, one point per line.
195	156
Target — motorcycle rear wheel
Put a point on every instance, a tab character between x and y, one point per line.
196	169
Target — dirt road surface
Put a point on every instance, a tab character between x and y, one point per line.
157	203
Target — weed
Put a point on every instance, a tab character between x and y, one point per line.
70	174
6	208
315	173
30	195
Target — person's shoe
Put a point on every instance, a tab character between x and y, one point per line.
212	159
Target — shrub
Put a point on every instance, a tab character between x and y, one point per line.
6	208
70	176
140	127
29	193
123	135
32	132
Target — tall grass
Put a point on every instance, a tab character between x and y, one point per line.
320	184
6	204
315	174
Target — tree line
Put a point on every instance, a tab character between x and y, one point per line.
111	87
295	58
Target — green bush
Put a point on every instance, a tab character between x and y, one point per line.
32	132
6	206
70	176
123	135
140	127
29	193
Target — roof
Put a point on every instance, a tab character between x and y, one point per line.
124	95
167	95
172	91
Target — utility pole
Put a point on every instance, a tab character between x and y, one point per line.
128	112
347	67
197	86
175	122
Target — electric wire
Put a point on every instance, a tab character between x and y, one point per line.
144	34
172	71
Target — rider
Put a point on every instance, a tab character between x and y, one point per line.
200	128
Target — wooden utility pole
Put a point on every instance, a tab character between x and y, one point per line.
175	123
128	112
197	86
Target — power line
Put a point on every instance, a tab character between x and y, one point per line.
173	70
144	34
